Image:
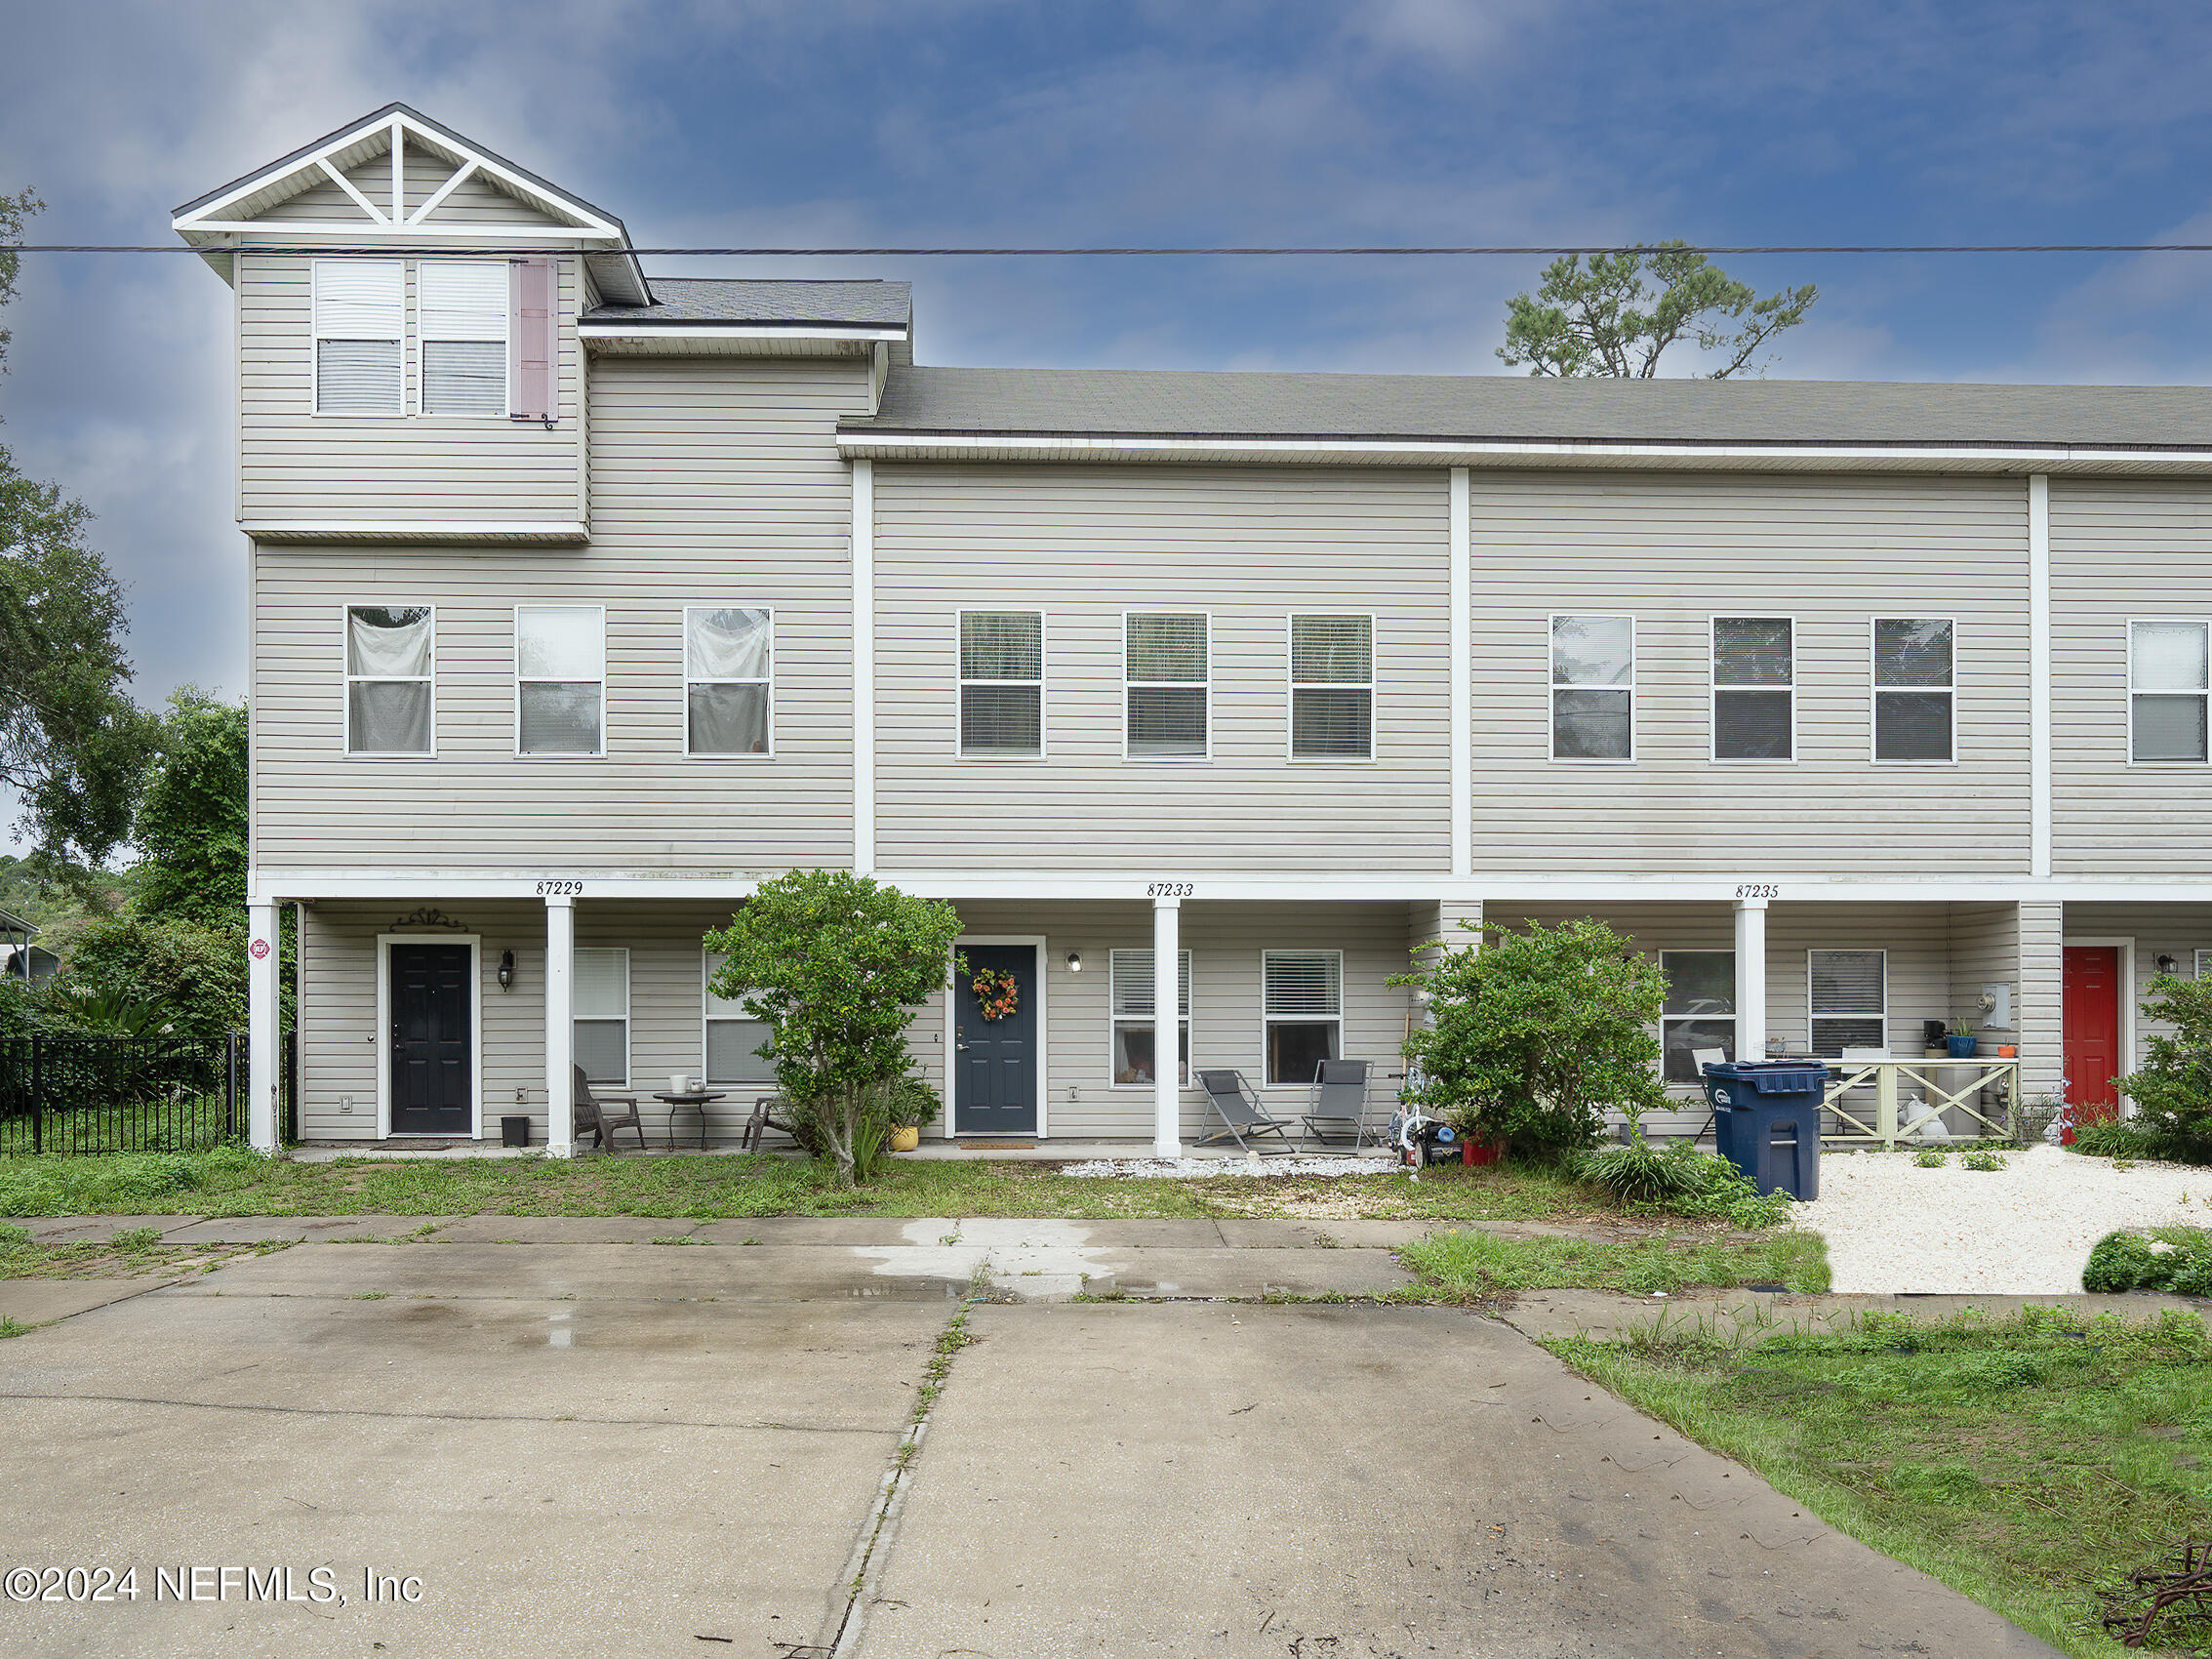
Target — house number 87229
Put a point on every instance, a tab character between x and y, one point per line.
558	888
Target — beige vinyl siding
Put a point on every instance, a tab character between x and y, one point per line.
1831	553
2122	551
1083	545
298	467
717	483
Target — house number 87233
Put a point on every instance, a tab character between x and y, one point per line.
1167	890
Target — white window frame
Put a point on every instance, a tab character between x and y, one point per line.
422	338
1714	687
2203	962
1875	689
1268	1019
346	679
1296	685
1205	686
575	1019
1184	972
961	683
1556	685
1735	1029
315	337
709	960
690	681
2132	624
1813	1020
515	631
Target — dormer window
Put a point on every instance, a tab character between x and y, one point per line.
481	336
360	308
462	308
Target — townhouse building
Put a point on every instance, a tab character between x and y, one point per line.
584	600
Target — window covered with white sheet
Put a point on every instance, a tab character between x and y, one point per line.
1594	688
1167	671
1754	679
1916	675
1332	688
1302	995
2167	687
1850	1000
360	308
729	664
734	1036
460	308
1135	1006
389	654
560	670
600	1012
1700	1012
1002	683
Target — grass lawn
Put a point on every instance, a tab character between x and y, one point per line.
135	1253
236	1183
2032	1464
1477	1267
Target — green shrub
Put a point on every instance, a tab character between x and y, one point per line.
2120	1262
1931	1158
1987	1162
2113	1138
2188	1272
2172	1089
1680	1180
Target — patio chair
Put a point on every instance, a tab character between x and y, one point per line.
763	1119
1339	1104
1240	1111
602	1116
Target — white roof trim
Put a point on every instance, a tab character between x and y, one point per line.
736	331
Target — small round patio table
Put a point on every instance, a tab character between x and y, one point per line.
698	1097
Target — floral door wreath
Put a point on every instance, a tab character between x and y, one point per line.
998	995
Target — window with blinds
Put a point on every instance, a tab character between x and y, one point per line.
1166	671
1301	1002
461	310
560	674
2167	689
1700	1011
1002	683
359	323
1755	679
1916	684
600	1013
1133	1012
1332	688
1849	1000
736	1034
1594	688
389	671
729	675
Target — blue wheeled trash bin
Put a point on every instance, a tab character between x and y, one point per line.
1766	1122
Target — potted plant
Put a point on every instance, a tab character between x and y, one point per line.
912	1108
1961	1041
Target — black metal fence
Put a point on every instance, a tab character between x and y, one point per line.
60	1094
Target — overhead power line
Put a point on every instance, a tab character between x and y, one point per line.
1382	252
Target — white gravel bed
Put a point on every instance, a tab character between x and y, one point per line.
1196	1168
2023	1231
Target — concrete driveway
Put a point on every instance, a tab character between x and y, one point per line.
579	1448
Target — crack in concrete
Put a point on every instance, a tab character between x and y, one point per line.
445	1416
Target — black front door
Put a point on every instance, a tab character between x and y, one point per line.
994	1061
433	1039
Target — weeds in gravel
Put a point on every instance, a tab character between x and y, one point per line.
1931	1158
1988	1163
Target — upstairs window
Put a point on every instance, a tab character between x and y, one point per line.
1594	688
1850	1000
1134	1044
735	1035
728	661
1302	993
1332	688
2167	686
388	675
1916	678
462	308
1002	683
1166	671
1700	1012
560	668
601	1015
1754	679
360	308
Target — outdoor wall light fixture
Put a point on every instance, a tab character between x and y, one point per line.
1074	961
506	970
2166	964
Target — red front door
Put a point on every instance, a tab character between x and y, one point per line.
2092	1014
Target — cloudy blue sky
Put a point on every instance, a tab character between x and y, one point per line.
1115	121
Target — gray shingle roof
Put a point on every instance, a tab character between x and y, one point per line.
1509	407
737	300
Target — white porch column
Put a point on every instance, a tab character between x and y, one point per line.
264	1058
1167	1084
560	1028
1751	978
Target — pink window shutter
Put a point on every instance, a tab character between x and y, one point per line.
532	340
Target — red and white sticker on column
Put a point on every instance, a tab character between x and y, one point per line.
260	947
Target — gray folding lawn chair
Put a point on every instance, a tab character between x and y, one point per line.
1240	1111
601	1115
1338	1107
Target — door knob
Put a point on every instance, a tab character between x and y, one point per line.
960	1038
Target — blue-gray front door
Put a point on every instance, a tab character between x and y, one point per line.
995	1061
433	1040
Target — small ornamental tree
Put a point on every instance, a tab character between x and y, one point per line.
1536	1032
837	965
2172	1089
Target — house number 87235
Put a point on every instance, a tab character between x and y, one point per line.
1758	890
